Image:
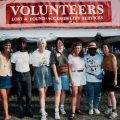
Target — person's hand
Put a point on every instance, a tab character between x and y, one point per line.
57	80
72	82
115	82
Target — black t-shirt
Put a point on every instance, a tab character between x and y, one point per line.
59	59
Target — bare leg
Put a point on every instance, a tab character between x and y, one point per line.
45	89
4	97
113	99
62	101
57	99
62	97
42	99
74	98
109	99
8	93
79	98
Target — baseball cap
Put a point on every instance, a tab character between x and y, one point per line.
92	45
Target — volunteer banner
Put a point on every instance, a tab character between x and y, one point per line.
18	14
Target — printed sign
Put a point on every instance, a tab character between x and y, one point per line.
58	12
27	14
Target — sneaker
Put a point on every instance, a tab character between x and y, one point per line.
43	117
57	116
41	113
62	111
96	111
108	111
113	115
90	112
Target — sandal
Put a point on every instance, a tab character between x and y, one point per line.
72	116
78	111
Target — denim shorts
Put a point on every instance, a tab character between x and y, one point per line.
64	83
5	82
42	77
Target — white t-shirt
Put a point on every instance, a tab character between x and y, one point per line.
93	65
76	62
38	59
21	60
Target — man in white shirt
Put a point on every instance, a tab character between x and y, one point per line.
20	61
93	63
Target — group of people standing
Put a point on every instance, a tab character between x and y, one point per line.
61	69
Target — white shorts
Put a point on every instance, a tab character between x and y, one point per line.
79	78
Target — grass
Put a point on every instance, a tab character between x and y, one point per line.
50	109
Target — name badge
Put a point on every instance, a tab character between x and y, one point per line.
58	54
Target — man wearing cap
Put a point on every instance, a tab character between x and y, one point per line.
21	62
93	63
40	61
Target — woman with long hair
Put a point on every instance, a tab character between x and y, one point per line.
110	79
77	76
5	76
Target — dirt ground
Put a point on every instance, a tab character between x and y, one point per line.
50	109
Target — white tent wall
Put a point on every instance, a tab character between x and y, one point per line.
87	26
51	34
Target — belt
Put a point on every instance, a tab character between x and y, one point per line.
77	71
22	72
108	71
43	66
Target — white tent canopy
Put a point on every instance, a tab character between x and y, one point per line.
51	33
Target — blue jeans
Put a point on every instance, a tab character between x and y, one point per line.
93	90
